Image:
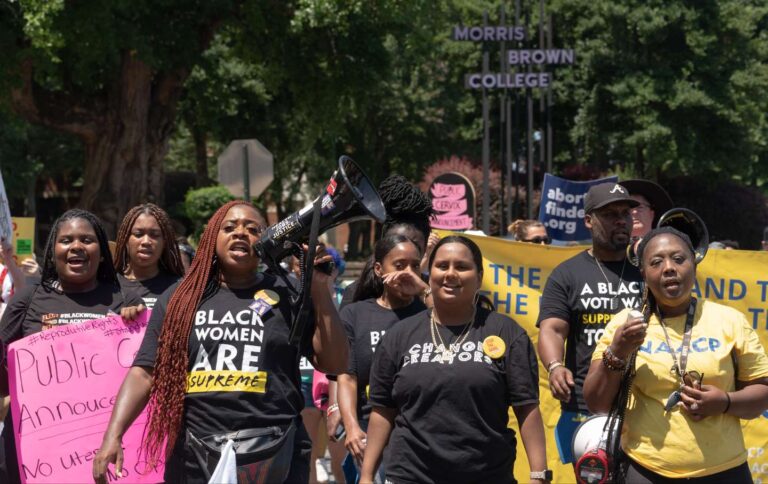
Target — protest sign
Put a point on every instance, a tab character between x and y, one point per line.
63	385
562	206
23	237
514	277
6	230
453	199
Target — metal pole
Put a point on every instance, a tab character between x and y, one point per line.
246	175
516	149
504	122
549	102
529	152
486	154
542	113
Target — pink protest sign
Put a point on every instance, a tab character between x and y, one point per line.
63	385
453	199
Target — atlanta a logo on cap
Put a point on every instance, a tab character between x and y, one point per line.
617	188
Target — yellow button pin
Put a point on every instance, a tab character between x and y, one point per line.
268	296
494	347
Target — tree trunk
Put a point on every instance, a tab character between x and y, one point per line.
125	133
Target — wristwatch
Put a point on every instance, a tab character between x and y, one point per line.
546	475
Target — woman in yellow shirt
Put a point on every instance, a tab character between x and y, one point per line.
698	368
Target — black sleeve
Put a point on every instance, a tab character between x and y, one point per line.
347	297
554	299
306	348
12	323
383	372
522	372
348	320
147	353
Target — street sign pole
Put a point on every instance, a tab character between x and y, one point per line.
246	175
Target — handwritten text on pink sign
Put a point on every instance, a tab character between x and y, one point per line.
63	385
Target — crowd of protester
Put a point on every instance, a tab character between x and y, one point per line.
408	374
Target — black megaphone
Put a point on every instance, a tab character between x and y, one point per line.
349	196
689	223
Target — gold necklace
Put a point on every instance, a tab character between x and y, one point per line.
448	353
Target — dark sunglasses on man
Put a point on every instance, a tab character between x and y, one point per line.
538	240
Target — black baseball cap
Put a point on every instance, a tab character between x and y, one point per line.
603	194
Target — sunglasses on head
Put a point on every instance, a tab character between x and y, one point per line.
692	378
537	240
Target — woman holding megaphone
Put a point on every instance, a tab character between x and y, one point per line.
680	376
216	365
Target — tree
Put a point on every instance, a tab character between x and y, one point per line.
111	74
666	87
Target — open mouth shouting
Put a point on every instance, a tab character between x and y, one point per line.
77	263
239	248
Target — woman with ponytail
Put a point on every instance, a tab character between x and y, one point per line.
679	377
147	259
389	290
216	364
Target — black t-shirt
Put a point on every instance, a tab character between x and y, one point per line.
243	373
36	308
149	289
452	416
577	292
366	322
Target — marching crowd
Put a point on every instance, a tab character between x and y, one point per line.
422	371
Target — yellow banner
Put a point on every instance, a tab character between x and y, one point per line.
227	381
514	277
23	237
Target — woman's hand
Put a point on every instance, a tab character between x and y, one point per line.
332	422
561	382
111	452
356	443
407	282
629	336
702	401
130	313
431	243
30	267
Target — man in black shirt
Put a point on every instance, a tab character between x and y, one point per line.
579	299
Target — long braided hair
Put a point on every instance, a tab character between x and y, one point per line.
170	260
621	401
106	272
166	404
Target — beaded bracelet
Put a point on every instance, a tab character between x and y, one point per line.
613	362
554	364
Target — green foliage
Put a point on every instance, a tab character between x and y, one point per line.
668	86
200	204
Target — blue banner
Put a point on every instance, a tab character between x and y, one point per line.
562	206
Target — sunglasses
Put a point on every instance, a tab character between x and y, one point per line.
537	240
692	378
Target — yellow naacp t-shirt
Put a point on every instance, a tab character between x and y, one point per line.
670	443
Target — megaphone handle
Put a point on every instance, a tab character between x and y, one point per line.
300	320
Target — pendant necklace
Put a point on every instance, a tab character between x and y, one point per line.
448	353
614	303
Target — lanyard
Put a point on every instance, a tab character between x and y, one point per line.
679	367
